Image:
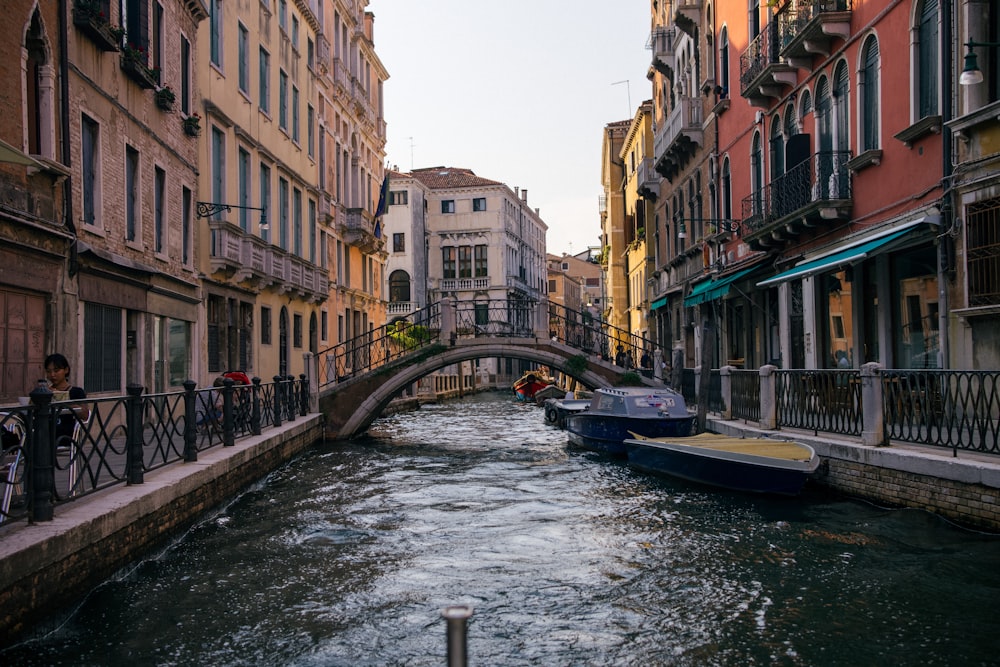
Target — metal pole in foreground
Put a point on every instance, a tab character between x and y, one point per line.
456	616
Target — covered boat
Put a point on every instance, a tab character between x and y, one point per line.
615	413
529	384
755	465
557	409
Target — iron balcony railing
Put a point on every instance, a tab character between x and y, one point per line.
758	56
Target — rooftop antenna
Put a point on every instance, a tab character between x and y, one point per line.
628	90
411	152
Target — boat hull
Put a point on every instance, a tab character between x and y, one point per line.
607	433
557	410
735	471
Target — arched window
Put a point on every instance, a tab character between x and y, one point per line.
724	61
727	191
399	287
841	107
868	84
928	59
777	149
313	334
39	90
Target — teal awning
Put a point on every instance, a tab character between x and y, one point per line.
708	290
659	303
847	256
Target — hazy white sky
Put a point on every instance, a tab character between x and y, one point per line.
519	91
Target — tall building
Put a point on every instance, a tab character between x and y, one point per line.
640	192
100	242
407	238
614	225
352	171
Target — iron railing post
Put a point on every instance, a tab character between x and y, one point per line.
228	425
456	617
41	457
303	394
133	434
190	422
290	397
277	399
255	407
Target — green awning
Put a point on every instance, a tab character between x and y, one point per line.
844	257
659	303
708	290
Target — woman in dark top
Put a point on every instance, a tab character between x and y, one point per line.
57	372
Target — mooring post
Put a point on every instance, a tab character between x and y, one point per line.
456	617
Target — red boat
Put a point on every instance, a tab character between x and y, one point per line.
529	384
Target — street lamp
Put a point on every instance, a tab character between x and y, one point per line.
206	209
721	224
971	74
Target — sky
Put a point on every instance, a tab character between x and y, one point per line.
518	91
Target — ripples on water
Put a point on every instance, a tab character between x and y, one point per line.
347	555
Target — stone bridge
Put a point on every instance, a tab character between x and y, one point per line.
352	405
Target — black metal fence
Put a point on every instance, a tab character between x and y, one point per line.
827	400
745	395
44	465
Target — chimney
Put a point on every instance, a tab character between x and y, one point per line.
524	195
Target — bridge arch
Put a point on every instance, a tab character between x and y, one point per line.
351	406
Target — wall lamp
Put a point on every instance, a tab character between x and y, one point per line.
971	74
721	225
206	209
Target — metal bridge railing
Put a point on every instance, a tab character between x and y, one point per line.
127	436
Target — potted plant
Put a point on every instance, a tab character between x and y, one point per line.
93	18
164	97
192	125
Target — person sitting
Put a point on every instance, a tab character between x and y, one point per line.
210	416
57	371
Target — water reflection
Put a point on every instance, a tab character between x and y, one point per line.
347	555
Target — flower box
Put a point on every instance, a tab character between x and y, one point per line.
134	66
95	25
192	125
164	98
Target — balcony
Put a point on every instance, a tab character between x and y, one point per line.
647	180
679	138
808	30
806	196
459	284
400	308
661	43
249	260
763	75
687	15
357	228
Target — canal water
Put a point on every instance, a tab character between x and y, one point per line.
347	555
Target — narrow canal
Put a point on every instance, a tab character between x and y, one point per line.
347	555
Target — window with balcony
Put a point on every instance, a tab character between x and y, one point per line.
482	263
283	213
448	255
312	231
465	261
265	197
399	287
297	222
218	176
244	188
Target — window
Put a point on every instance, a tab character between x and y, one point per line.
310	131
244	54
265	77
928	60
265	198
283	15
283	100
244	186
324	325
215	33
185	76
297	222
283	213
312	231
399	242
311	63
265	325
448	206
727	191
448	262
89	166
552	286
869	84
479	204
296	330
131	194
295	114
295	33
399	287
983	252
465	261
724	61
218	166
398	198
186	197
102	348
159	215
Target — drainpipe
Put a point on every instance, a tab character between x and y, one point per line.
947	214
66	149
